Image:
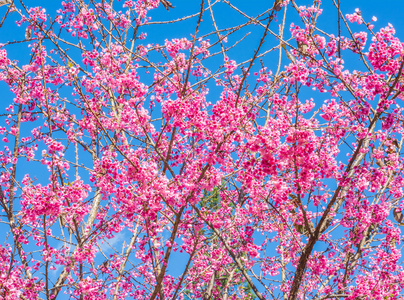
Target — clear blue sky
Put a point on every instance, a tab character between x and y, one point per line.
385	11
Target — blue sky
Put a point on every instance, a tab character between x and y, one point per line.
386	12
